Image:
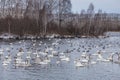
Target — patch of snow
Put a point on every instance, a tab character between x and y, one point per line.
7	36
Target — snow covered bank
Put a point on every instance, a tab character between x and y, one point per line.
7	36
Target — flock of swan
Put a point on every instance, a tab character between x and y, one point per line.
87	59
30	55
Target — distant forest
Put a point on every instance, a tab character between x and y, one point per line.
43	17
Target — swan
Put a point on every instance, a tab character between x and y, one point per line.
47	60
34	44
62	53
1	53
65	59
46	50
4	63
8	58
7	49
55	53
84	54
62	56
100	58
93	62
23	64
20	63
35	53
57	62
43	53
27	62
111	57
40	44
18	60
19	42
50	56
37	56
28	55
78	63
97	53
1	50
37	59
84	61
94	54
51	49
44	62
19	54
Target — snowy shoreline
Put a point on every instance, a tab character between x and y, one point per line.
6	36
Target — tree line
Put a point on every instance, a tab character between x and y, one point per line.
42	17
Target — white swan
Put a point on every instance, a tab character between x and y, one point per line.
57	62
50	56
84	61
83	54
7	49
45	61
18	60
100	58
1	53
4	63
29	55
63	57
93	62
20	54
111	57
78	63
55	53
20	63
43	53
1	50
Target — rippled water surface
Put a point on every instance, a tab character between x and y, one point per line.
64	70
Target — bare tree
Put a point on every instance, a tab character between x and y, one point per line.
90	13
2	3
64	9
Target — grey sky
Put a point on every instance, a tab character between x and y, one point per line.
110	6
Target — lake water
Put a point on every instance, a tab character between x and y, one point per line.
64	70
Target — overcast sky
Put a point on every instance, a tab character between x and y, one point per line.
110	6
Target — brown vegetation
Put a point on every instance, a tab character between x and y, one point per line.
42	17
